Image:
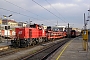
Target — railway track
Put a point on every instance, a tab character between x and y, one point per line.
8	52
45	53
11	51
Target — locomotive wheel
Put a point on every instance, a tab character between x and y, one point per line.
30	42
36	41
43	40
53	39
40	40
13	43
23	43
46	39
50	39
33	42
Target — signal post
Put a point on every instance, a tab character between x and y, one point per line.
85	35
85	40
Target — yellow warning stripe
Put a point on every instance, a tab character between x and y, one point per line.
63	50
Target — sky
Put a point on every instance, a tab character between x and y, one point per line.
47	12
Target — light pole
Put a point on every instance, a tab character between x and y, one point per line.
68	31
7	24
85	33
28	23
0	31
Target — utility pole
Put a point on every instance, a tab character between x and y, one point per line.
0	30
68	31
7	25
84	22
30	22
89	14
85	35
57	22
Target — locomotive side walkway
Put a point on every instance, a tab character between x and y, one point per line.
72	51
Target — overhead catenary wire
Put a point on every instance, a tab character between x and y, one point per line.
24	9
54	9
19	7
48	10
17	13
21	14
27	10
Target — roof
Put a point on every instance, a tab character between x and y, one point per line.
5	20
22	23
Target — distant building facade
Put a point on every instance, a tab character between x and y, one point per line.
22	24
60	28
0	21
76	29
9	22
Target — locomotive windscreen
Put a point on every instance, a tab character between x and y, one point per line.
49	28
33	26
